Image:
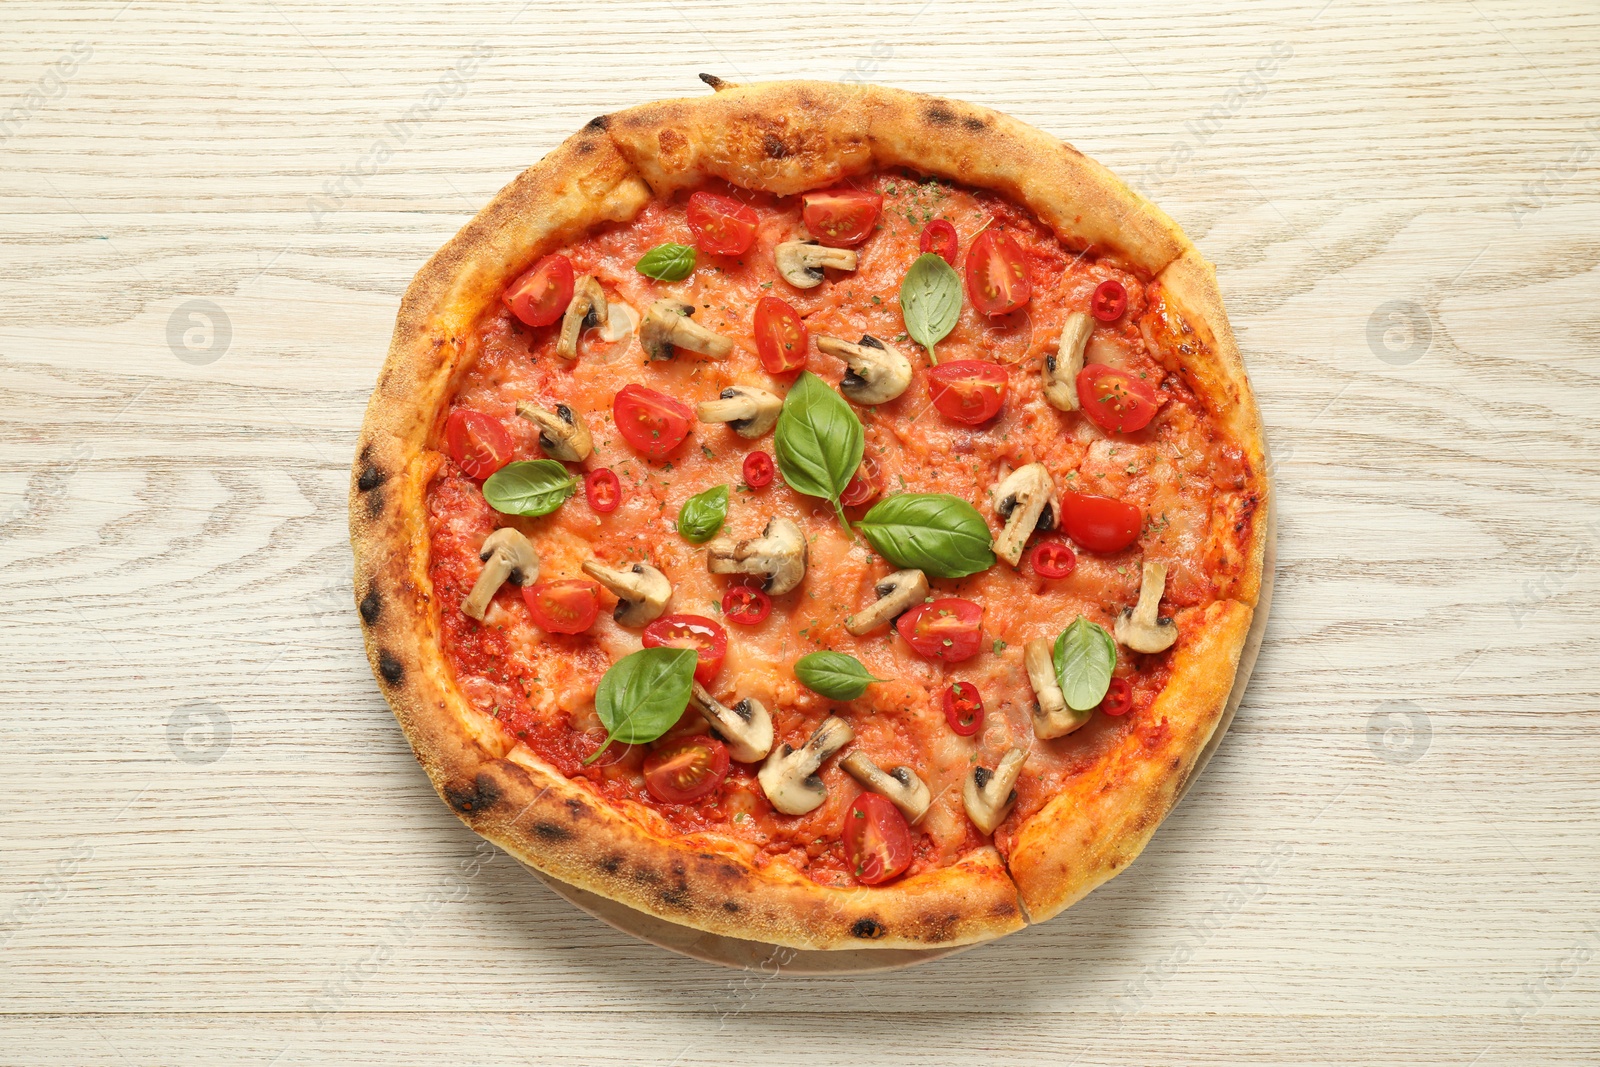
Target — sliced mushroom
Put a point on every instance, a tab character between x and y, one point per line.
1052	717
1025	498
778	555
800	263
988	795
746	727
562	433
897	594
748	411
641	591
1061	369
668	327
901	785
789	777
507	557
1138	627
877	372
588	308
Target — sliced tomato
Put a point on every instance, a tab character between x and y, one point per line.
949	628
841	217
968	390
477	442
781	336
603	490
705	636
721	225
1119	697
1109	301
758	470
1053	559
541	296
866	483
569	606
1100	523
1115	400
745	605
939	237
652	422
997	273
877	840
686	769
963	708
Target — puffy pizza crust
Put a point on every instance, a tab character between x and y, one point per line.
784	138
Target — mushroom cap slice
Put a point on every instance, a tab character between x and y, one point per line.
1138	627
641	591
988	795
746	726
789	776
507	556
877	372
1060	372
800	263
901	785
667	327
562	433
588	308
1023	498
897	594
778	555
748	411
1052	717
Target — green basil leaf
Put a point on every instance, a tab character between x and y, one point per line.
834	675
939	534
529	487
701	515
667	263
930	300
643	694
819	440
1085	656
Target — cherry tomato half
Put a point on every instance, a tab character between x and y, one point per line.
477	442
745	605
876	839
949	628
603	490
569	606
841	217
686	769
721	225
968	390
705	636
939	237
758	470
541	296
1119	698
652	422
1114	399
997	273
1100	523
963	708
866	483
1053	559
1110	300
781	337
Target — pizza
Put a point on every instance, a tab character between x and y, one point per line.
823	515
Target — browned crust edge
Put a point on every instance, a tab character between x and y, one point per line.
783	137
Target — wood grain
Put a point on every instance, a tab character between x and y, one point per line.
217	846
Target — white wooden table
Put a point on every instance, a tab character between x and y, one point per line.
215	846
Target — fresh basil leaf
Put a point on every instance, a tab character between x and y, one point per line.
1085	656
930	300
939	534
643	694
819	440
667	263
834	675
701	515
529	487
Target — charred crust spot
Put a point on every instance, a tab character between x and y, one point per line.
1004	908
676	895
973	123
391	669
478	796
774	147
371	605
731	907
611	864
577	808
374	505
939	115
552	832
585	147
868	929
730	872
712	80
371	478
599	122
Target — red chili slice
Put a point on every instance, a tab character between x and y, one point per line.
963	708
745	605
758	470
939	237
1119	698
1110	300
1053	559
603	490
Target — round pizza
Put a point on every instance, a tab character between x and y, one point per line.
823	515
